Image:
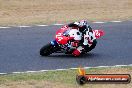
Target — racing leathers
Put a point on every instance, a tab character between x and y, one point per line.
85	41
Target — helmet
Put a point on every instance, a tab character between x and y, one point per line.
83	23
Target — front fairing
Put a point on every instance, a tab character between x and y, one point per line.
61	37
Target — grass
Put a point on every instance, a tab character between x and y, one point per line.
60	79
30	12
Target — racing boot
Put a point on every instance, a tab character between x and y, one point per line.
78	51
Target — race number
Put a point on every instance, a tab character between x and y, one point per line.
97	33
59	36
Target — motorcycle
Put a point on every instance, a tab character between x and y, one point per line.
68	39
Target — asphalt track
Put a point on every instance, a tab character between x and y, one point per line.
19	48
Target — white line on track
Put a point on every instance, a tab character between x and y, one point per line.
87	67
103	66
17	72
116	21
120	65
99	22
31	71
3	73
65	69
58	24
43	70
130	64
61	69
42	25
5	27
73	68
24	26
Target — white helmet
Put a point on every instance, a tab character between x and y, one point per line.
83	23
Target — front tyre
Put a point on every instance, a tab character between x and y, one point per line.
46	50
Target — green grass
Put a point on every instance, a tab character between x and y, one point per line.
67	76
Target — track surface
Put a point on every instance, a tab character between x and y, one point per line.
19	48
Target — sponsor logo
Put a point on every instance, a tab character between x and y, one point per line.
83	78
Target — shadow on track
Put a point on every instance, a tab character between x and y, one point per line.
68	56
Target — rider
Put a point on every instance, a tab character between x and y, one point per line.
84	28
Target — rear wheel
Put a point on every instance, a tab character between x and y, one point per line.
93	45
87	48
46	50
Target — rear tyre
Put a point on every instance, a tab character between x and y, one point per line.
46	50
87	48
93	45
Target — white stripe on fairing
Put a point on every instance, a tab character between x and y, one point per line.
99	22
116	21
5	27
42	25
58	24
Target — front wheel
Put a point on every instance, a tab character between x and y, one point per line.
46	50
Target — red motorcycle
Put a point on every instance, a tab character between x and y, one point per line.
68	39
